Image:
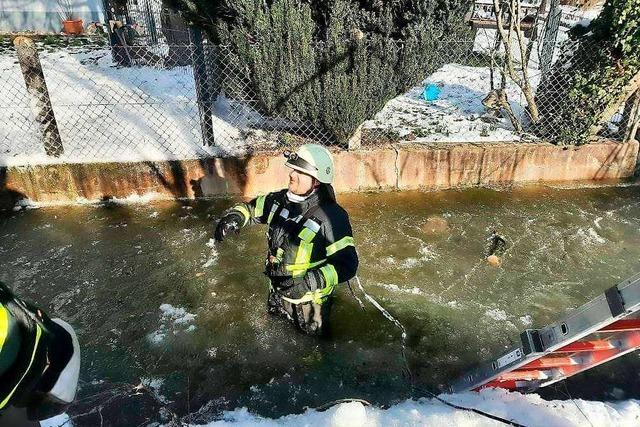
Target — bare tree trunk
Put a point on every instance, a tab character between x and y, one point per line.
509	66
535	32
40	101
525	85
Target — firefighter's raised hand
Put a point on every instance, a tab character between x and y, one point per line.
228	223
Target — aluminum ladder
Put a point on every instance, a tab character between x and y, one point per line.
599	331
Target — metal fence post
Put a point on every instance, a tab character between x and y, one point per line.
37	88
550	36
203	91
630	125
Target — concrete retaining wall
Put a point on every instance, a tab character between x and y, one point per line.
400	166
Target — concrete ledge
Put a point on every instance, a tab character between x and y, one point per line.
401	166
467	165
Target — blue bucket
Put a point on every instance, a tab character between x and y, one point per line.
431	92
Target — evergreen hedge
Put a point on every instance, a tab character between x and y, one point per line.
331	63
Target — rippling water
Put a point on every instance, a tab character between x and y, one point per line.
155	302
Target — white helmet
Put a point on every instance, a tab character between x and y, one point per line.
312	159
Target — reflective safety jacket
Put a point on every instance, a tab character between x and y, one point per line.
34	352
312	237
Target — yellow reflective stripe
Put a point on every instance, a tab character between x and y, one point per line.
4	325
279	255
330	275
303	256
272	213
305	266
309	296
245	212
259	209
33	356
307	234
318	296
340	244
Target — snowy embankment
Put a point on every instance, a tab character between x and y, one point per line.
456	116
108	113
530	410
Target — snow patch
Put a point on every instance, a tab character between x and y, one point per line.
590	236
410	263
178	315
154	384
530	410
213	255
172	319
526	320
62	420
496	314
455	115
428	253
152	113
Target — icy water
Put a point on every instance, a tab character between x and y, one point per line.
154	304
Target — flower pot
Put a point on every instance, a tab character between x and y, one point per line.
73	26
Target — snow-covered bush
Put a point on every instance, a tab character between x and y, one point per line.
330	63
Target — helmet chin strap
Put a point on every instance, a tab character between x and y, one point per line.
301	198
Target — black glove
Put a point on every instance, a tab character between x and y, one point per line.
228	223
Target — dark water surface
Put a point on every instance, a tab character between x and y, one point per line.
154	304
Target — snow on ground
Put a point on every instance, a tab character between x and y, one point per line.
456	115
530	410
110	113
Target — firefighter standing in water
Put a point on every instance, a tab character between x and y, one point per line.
39	362
310	242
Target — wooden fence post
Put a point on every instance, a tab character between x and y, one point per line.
37	89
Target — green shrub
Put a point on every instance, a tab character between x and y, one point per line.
587	79
330	63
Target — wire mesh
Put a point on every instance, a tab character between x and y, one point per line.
19	133
142	101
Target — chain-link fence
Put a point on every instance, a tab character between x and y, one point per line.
136	102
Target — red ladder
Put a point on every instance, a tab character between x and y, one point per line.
595	333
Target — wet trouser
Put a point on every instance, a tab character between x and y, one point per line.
309	317
16	417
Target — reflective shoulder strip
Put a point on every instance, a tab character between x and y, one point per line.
33	355
307	234
340	244
244	211
312	225
330	275
274	208
259	209
284	213
309	230
4	325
